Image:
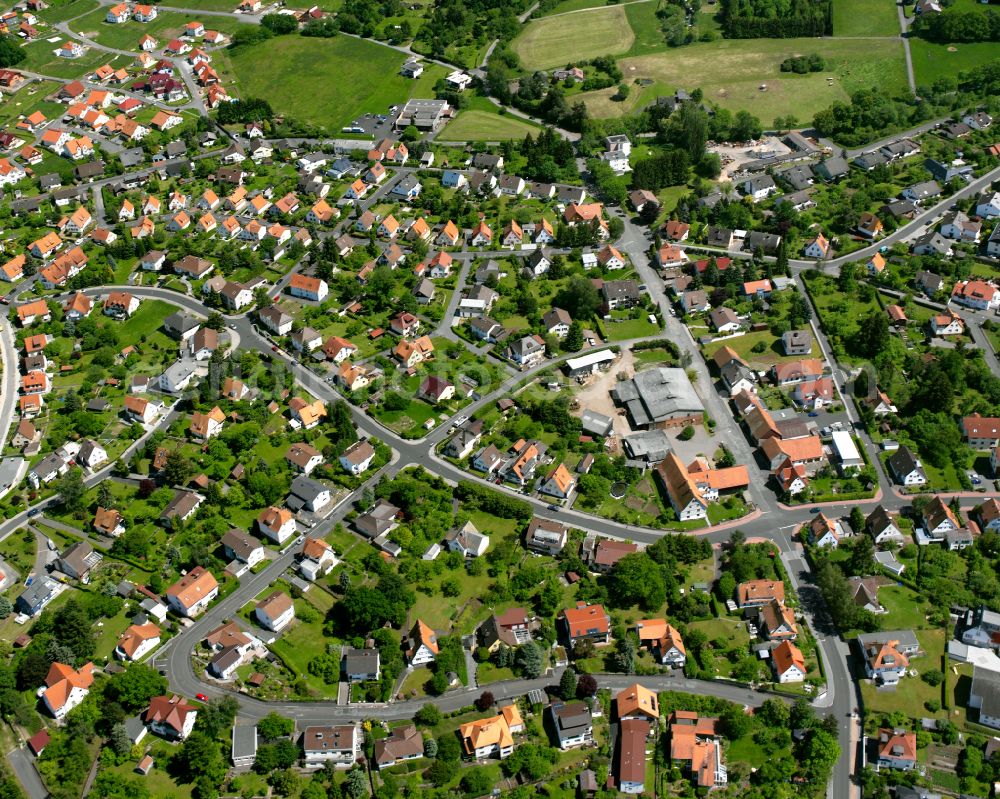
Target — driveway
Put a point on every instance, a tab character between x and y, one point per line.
23	765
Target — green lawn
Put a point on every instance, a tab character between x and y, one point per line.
29	99
905	608
42	58
573	5
158	782
61	11
554	41
297	646
933	61
125	36
865	18
146	320
625	329
367	78
476	125
744	346
730	72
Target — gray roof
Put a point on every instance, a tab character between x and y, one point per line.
596	423
833	167
907	638
361	661
986	686
799	176
37	593
658	394
244	741
571	719
304	490
902	462
652	445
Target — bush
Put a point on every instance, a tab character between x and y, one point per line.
686	434
279	24
933	677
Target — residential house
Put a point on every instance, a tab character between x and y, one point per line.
190	595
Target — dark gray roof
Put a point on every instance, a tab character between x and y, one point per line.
986	686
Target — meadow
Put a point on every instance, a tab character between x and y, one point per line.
291	78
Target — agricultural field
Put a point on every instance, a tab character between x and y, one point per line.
734	70
368	78
555	41
478	125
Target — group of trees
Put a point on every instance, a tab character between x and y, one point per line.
252	109
801	64
752	19
959	25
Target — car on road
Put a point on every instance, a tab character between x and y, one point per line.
201	697
814	510
813	414
34	512
274	348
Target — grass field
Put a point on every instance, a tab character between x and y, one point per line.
477	125
575	5
42	58
555	41
865	18
933	61
60	11
730	73
368	79
167	25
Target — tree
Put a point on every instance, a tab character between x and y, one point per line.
574	338
430	747
637	579
218	715
273	726
5	607
119	740
529	660
200	757
280	24
567	684
285	781
428	715
11	52
579	297
857	520
933	677
485	701
873	334
178	469
71	490
586	686
134	687
356	783
862	556
477	781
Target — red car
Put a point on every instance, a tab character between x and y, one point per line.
201	697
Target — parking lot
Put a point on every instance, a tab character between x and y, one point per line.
378	126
